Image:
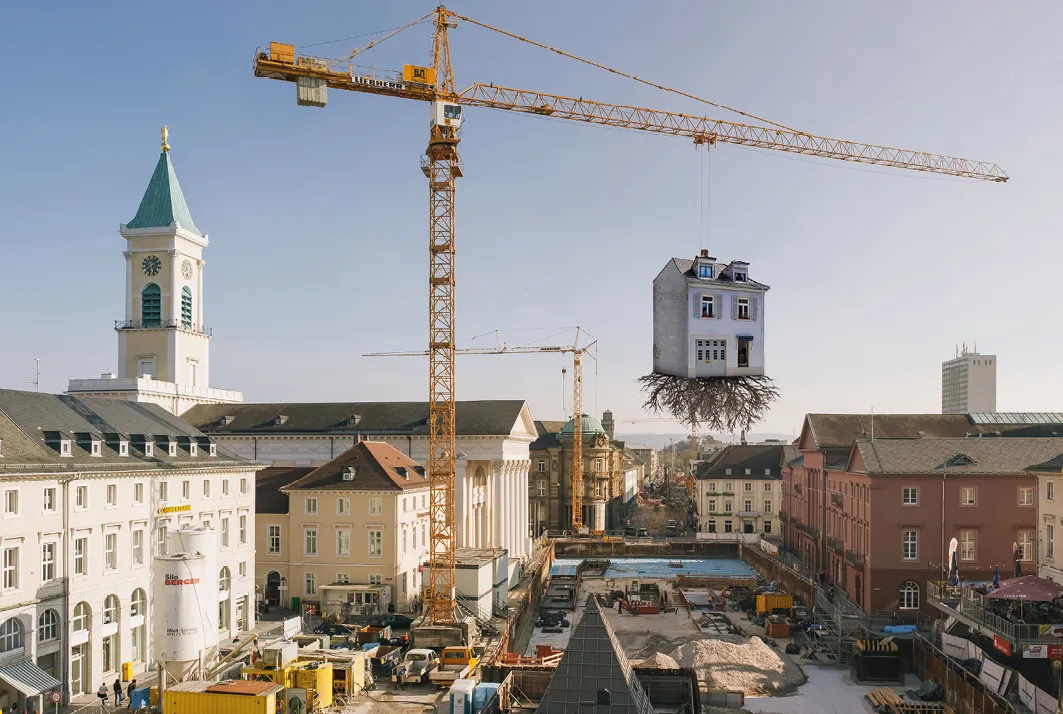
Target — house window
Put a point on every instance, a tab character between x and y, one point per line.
712	505
186	308
343	542
241	569
1050	540
49	500
1050	491
243	530
342	578
541	487
748	485
224	485
727	527
743	308
172	446
164	490
48	626
10	568
376	506
376	579
967	496
47	562
310	505
273	534
112	495
727	506
909	596
161	536
82	617
224	580
1025	496
404	541
138	493
310	541
186	490
727	471
740	277
11	503
343	506
908	545
225	532
64	447
767	527
151	306
112	610
767	506
138	547
1026	546
206	488
910	496
81	552
709	350
747	506
767	486
541	465
96	450
967	545
705	271
707	306
712	486
110	551
10	635
243	486
376	543
309	583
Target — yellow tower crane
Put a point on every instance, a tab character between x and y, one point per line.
577	353
441	165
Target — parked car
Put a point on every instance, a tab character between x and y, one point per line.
398	621
643	533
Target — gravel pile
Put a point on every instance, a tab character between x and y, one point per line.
660	661
752	667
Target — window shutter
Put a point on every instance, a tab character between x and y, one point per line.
697	304
753	308
718	305
734	307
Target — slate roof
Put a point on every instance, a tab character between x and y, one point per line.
757	458
164	202
268	484
1054	465
984	456
549	431
593	661
686	267
484	418
377	467
31	424
839	430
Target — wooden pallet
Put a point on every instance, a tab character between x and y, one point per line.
883	698
922	708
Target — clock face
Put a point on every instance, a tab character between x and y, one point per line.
186	269
151	265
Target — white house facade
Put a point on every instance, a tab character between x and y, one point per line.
91	490
708	319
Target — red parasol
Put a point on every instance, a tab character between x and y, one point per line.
1029	588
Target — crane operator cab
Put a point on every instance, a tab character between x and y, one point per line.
446	114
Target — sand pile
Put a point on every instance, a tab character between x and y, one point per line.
660	661
753	667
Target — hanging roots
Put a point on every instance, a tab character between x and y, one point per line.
725	404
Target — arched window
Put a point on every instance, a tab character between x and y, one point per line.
186	308
909	595
151	306
138	605
224	579
112	609
48	626
82	617
10	635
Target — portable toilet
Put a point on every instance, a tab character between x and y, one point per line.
461	696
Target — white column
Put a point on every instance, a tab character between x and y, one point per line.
497	516
528	516
460	505
522	480
511	511
175	292
128	285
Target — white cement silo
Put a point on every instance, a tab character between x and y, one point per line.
181	633
204	542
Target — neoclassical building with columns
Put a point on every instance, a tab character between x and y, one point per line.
493	436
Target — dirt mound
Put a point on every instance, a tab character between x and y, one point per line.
660	661
752	667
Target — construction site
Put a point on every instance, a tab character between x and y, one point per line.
645	617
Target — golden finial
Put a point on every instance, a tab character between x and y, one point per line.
165	135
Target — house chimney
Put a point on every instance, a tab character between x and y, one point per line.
704	252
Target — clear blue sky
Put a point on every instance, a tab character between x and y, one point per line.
318	226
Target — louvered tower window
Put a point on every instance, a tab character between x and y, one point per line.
151	306
186	308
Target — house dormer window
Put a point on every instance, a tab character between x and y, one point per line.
123	448
193	448
279	420
97	448
149	448
708	305
213	449
705	271
173	448
64	447
740	276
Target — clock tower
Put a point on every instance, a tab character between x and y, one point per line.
163	345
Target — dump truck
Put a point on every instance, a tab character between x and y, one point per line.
454	663
415	667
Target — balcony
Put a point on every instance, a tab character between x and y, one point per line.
836	499
970	608
854	559
808	530
121	325
837	545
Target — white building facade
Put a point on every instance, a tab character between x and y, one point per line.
163	345
708	319
491	506
969	383
91	490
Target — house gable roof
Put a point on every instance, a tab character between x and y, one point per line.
371	465
973	456
763	461
269	498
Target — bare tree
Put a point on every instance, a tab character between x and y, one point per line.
724	404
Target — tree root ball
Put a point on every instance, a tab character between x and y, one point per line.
725	404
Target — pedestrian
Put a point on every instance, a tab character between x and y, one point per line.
129	692
619	606
102	694
117	692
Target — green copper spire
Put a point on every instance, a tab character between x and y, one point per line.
163	202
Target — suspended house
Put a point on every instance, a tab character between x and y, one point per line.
708	319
